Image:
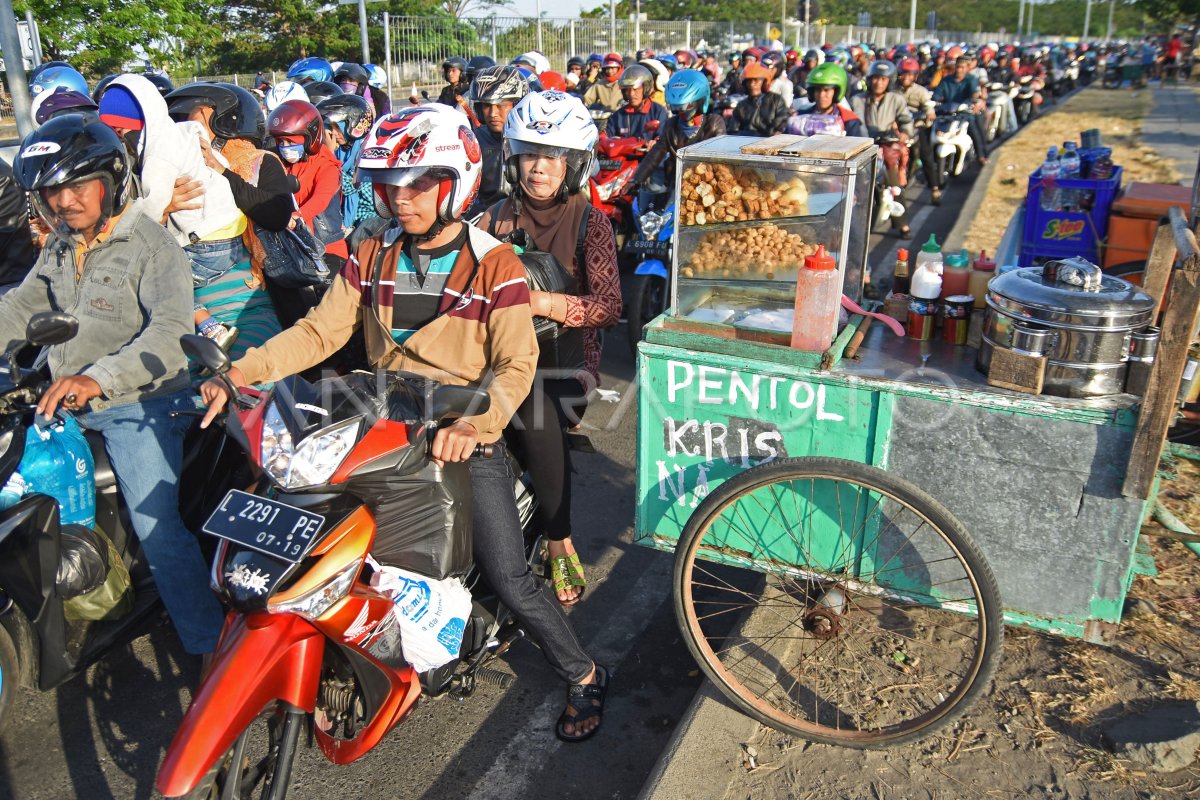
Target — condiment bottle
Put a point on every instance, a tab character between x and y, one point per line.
956	274
982	270
926	280
818	298
930	255
900	279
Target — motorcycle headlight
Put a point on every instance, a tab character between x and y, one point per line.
310	464
652	224
315	603
613	186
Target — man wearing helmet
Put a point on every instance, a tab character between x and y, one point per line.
454	70
962	88
923	111
780	85
606	92
127	280
639	117
442	299
688	97
762	113
882	111
494	93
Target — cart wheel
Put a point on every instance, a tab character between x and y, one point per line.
835	602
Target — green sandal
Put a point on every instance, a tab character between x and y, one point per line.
566	573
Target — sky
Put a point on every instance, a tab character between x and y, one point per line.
551	8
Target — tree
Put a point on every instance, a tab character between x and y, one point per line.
459	8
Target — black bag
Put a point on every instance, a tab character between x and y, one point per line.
561	347
82	561
294	257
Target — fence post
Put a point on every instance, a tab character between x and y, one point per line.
387	52
493	37
573	50
823	39
687	44
539	26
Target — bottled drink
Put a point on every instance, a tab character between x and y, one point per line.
1068	167
900	279
818	298
956	275
1049	180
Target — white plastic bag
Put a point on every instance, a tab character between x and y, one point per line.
432	614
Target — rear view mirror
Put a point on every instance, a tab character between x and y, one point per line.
51	327
450	402
205	351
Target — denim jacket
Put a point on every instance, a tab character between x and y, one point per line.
133	302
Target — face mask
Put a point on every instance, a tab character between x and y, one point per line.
291	153
349	88
131	139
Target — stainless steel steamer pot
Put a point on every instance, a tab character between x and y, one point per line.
1090	317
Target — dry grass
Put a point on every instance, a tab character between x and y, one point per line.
1118	116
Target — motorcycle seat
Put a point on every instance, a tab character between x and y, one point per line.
105	477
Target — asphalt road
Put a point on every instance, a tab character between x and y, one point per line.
103	735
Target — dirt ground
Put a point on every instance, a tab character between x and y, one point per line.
1116	114
1037	732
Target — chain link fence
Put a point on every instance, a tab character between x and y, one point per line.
420	44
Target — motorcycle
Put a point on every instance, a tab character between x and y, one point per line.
43	644
951	142
999	95
1028	101
308	632
888	179
617	160
650	289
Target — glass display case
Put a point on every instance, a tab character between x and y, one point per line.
750	210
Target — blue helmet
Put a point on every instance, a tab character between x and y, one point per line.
688	87
58	77
669	61
310	69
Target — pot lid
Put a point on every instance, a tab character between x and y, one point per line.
1071	291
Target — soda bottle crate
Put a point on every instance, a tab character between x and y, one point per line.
1060	233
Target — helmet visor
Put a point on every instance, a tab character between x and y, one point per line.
416	178
515	147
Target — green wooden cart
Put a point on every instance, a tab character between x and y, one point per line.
852	534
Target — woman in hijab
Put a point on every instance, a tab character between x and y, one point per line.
548	142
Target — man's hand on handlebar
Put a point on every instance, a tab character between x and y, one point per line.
455	442
74	392
215	394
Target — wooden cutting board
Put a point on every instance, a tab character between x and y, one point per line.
771	145
840	148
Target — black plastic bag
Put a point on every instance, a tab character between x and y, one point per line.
294	257
82	561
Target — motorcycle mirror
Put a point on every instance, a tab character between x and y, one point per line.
206	351
51	327
458	401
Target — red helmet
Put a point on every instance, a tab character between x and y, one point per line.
910	65
953	53
684	58
298	118
613	60
553	81
792	57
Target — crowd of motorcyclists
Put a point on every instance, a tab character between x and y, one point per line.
117	175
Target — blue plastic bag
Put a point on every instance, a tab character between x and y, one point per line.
58	462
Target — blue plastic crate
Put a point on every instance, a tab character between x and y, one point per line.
1067	233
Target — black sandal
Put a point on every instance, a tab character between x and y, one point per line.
587	700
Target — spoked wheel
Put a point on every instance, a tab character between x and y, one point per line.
647	299
259	765
835	602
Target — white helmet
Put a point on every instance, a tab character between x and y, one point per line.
406	145
555	124
538	62
661	75
282	92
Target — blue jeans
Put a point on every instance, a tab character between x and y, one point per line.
145	446
500	556
211	260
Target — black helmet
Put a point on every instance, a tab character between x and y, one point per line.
352	73
322	90
476	64
160	81
101	86
236	112
349	113
455	62
575	61
68	149
884	69
497	84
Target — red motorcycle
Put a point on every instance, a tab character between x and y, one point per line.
617	160
307	634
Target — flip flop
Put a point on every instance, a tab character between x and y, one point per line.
566	572
587	700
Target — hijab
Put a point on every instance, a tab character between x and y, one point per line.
553	225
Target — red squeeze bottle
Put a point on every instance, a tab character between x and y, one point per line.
818	298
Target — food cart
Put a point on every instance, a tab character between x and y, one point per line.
852	533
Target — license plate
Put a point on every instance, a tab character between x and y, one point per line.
609	164
648	248
270	527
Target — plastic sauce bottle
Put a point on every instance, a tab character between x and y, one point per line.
956	274
929	257
900	279
982	271
926	282
818	298
1049	180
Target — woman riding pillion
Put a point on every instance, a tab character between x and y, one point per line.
827	85
548	141
437	297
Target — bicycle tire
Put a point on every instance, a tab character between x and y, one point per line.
913	659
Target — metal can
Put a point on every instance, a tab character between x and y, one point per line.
1190	386
957	322
1143	346
896	307
921	316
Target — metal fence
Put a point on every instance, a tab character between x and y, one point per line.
420	44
